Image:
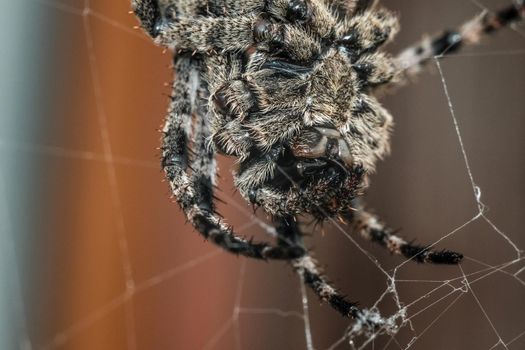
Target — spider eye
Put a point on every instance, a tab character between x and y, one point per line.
298	10
350	45
252	196
262	28
350	40
363	70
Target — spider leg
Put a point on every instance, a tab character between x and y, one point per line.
237	34
194	194
215	8
289	234
215	26
365	32
192	26
203	164
374	70
412	59
371	228
207	34
363	5
306	267
348	7
152	13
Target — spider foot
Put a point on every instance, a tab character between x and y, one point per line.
424	255
369	324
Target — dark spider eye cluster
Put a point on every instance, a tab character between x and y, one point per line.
261	28
298	10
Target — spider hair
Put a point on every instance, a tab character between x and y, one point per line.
287	87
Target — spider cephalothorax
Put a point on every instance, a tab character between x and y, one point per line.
286	87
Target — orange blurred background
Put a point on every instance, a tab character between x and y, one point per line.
106	261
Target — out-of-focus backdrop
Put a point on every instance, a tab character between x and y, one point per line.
94	254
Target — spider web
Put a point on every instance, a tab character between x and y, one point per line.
109	264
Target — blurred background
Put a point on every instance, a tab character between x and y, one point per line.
94	254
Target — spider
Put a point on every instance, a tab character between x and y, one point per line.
287	88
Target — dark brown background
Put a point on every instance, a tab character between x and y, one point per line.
82	214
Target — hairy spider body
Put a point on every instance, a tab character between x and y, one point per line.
286	87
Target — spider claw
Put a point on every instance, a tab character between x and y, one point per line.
445	257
